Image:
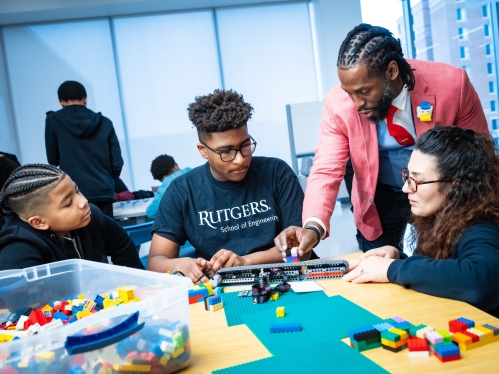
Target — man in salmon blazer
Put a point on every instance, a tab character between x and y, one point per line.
383	104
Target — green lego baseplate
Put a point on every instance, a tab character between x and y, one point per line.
235	306
322	319
327	357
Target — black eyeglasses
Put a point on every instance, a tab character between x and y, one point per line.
231	153
413	184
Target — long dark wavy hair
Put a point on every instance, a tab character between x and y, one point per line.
471	162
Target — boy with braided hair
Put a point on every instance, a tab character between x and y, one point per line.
49	220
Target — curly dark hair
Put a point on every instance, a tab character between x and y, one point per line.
471	162
161	166
376	47
218	112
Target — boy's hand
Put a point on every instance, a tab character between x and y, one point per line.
226	259
193	268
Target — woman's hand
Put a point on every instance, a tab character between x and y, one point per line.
369	269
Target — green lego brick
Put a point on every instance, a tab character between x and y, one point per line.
414	329
365	345
391	336
327	357
445	335
235	306
322	319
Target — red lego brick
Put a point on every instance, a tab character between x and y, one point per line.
38	317
457	326
447	358
195	299
474	338
417	345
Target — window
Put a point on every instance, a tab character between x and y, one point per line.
489	68
484	11
491	87
494	124
464	52
492	105
487	49
459	14
486	30
468	70
460	33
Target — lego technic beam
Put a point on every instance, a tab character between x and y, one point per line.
296	271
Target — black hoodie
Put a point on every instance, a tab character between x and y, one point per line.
23	246
84	145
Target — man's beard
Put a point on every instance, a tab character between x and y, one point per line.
383	104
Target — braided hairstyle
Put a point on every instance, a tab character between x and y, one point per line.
28	187
376	47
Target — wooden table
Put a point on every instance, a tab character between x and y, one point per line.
216	346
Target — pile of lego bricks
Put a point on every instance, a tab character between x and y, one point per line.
28	321
199	292
396	334
162	346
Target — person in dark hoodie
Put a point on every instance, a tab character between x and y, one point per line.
48	219
452	182
84	144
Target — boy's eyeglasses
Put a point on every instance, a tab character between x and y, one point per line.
230	154
413	184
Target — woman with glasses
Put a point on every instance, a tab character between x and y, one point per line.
452	182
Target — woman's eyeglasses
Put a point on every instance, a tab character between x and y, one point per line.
413	184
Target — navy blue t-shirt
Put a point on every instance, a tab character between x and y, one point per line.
243	217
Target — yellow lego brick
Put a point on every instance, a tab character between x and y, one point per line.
467	347
480	334
460	338
81	296
488	332
393	344
126	294
274	297
214	308
106	371
209	287
89	305
163	361
46	308
105	296
402	333
47	357
118	301
136	299
178	352
23	364
11	327
280	312
5	337
83	314
109	303
127	367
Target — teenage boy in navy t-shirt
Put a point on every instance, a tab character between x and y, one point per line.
231	208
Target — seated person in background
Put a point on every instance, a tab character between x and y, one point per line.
164	169
7	166
11	157
121	192
452	182
49	220
231	208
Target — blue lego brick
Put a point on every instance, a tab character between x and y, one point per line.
61	316
446	349
214	300
156	351
326	357
469	322
285	327
383	326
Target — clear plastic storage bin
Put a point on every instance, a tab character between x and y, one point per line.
150	335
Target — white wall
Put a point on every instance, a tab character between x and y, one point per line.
8	134
142	71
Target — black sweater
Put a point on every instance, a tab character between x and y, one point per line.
471	274
23	246
85	146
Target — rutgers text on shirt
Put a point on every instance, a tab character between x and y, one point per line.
423	111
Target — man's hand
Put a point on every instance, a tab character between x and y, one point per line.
226	259
295	236
386	252
193	268
370	269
